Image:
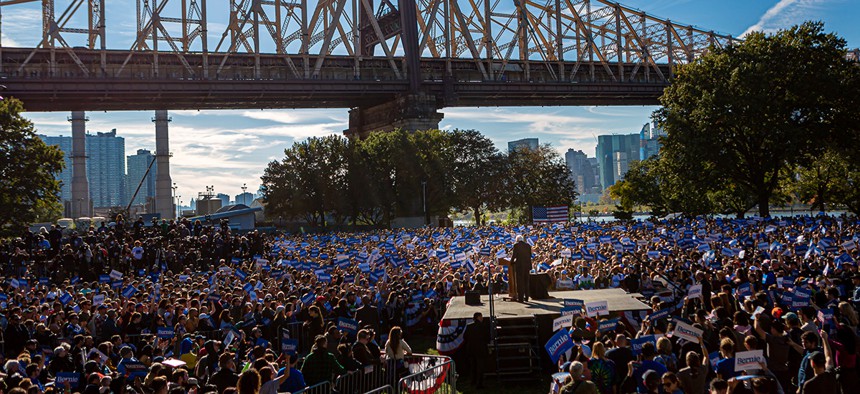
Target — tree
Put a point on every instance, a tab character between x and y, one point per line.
310	182
27	170
749	111
820	180
539	177
479	173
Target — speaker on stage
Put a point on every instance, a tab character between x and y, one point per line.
538	285
473	298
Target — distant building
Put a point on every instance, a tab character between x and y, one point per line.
225	199
614	153
649	142
137	166
529	143
584	171
245	198
105	168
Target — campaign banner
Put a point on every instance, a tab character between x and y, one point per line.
165	332
307	299
73	378
129	291
183	278
607	325
749	360
687	332
562	322
214	297
65	298
116	284
571	310
661	314
558	345
114	274
573	302
134	369
695	291
636	344
104	279
289	346
348	325
597	308
98	299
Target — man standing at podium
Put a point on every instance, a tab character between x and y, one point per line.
521	263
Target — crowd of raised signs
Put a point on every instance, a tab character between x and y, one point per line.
182	307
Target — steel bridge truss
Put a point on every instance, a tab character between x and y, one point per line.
492	40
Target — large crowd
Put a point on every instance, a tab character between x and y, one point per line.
181	307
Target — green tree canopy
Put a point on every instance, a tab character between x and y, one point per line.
740	116
27	170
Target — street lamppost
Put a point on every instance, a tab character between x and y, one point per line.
174	199
244	190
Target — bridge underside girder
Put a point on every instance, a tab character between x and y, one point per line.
139	86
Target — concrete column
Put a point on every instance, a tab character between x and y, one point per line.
410	112
163	183
80	204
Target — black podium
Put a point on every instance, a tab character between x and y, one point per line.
538	285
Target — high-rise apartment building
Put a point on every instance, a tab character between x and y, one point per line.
137	166
105	168
649	140
580	169
529	143
614	154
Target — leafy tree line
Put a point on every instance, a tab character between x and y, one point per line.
334	180
773	119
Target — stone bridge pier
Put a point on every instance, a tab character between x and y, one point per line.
411	112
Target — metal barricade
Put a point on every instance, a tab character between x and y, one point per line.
429	374
367	378
387	389
297	331
319	388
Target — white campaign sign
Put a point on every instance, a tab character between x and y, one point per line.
562	322
597	308
695	291
745	361
687	332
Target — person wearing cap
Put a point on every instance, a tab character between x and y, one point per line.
521	262
823	366
578	383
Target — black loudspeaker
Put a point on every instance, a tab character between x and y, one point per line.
538	285
473	298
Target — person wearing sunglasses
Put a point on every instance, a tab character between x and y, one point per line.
671	384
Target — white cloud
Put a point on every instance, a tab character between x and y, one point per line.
786	13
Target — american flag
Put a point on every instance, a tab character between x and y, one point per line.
549	214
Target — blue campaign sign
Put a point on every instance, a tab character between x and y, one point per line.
308	298
44	281
607	325
636	344
165	332
104	279
129	291
573	302
214	297
661	314
558	345
135	369
73	378
348	325
116	284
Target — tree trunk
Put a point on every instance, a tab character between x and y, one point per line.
478	218
764	204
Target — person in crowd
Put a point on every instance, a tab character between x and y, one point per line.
578	383
320	365
477	341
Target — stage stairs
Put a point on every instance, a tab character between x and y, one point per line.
516	355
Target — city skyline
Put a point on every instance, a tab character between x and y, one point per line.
232	147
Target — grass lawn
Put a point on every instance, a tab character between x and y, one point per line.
424	343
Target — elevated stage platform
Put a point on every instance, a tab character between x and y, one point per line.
618	300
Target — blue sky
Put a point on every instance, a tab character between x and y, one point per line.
229	148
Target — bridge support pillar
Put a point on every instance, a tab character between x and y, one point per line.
409	112
163	183
81	205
